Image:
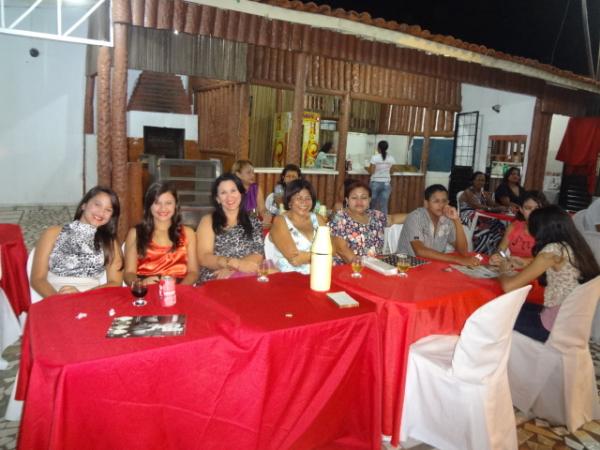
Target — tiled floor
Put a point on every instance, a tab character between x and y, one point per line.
533	434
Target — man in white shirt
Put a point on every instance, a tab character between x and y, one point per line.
428	230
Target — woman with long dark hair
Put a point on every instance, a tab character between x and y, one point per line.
161	245
509	193
73	257
562	261
230	241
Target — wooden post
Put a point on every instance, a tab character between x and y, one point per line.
343	127
538	148
429	111
135	190
104	121
294	152
119	124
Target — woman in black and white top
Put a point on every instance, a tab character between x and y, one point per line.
380	167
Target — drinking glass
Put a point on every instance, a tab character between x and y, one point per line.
139	290
403	264
357	266
263	270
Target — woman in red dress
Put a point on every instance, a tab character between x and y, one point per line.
161	245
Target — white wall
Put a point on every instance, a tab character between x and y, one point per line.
515	116
553	172
41	121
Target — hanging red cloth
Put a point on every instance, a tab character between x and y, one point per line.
580	147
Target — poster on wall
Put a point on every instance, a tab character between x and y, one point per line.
311	123
281	132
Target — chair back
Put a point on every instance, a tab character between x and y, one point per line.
391	238
578	220
573	323
35	297
593	240
270	250
485	339
458	195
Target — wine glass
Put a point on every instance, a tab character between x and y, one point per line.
403	264
357	266
263	270
139	290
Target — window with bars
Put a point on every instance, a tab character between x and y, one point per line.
465	139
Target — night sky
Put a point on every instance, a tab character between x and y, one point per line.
529	28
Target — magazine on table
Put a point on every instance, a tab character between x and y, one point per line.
147	326
477	271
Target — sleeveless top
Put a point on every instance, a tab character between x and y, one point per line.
250	202
160	260
520	242
73	254
303	244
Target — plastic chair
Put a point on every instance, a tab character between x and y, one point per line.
578	220
555	380
458	195
457	394
391	237
10	329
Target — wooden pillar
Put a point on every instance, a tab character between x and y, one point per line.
294	153
136	192
538	148
426	139
119	122
244	121
88	105
343	128
104	121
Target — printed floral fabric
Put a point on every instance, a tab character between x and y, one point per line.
360	237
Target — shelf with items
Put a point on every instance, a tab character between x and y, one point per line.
507	148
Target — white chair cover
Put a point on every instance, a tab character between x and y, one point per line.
593	240
556	380
457	394
269	248
578	220
391	237
10	329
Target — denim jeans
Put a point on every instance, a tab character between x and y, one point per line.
380	195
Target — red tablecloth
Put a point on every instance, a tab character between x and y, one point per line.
429	301
14	279
261	366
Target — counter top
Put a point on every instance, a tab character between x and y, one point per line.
306	171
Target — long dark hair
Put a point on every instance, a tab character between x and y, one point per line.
145	229
509	172
219	220
553	225
383	147
106	234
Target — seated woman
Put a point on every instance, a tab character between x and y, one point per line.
254	199
488	231
161	245
73	257
509	193
517	239
358	230
293	232
289	173
562	261
229	240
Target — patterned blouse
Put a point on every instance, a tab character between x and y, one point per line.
303	244
233	243
360	237
560	283
73	254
